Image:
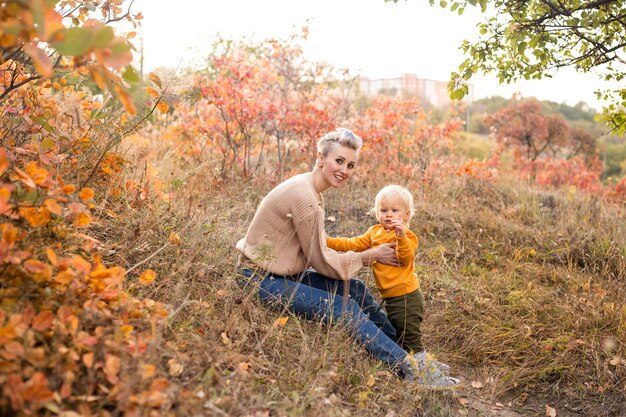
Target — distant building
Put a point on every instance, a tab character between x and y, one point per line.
410	85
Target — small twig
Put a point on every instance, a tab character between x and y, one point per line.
148	258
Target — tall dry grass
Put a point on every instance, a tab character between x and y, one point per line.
524	291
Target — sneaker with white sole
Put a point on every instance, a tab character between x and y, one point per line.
426	374
426	357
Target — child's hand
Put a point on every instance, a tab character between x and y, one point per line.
398	227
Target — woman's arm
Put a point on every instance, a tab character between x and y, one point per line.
385	254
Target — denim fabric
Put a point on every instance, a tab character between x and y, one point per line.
317	297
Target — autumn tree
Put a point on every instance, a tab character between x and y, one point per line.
523	127
532	39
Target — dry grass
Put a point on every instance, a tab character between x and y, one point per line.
524	290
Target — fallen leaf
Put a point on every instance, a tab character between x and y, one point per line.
174	367
371	381
225	340
550	412
147	277
331	219
477	384
244	366
86	194
147	370
281	321
463	401
616	361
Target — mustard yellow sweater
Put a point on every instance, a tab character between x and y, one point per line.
391	281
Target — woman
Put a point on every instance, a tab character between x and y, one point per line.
286	238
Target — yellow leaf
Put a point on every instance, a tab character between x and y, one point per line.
147	277
281	321
86	194
174	238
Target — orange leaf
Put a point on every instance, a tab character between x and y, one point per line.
152	92
88	359
53	206
159	384
86	194
243	366
83	219
155	79
163	106
147	370
52	257
147	277
43	321
35	216
4	162
69	189
126	100
40	59
281	321
36	389
112	366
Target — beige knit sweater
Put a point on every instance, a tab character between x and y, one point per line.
286	235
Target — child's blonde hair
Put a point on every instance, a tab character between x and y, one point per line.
394	191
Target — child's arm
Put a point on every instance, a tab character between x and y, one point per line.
344	244
406	246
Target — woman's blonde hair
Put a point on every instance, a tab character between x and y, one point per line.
341	136
394	191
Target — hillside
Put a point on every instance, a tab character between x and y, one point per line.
524	294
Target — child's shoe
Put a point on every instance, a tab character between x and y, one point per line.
426	374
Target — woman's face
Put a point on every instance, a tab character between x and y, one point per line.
338	166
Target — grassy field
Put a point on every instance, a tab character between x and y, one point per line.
524	298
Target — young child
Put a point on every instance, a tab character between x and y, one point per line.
398	285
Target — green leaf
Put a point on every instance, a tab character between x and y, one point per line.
77	42
47	143
457	94
103	37
91	6
130	75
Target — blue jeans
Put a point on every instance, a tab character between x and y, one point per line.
318	297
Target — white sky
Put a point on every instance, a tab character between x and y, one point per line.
370	37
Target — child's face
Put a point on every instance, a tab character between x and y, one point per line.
392	213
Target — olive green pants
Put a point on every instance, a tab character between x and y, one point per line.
406	313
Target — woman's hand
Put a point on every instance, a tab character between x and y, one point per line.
385	254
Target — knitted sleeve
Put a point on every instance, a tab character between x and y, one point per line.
326	261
